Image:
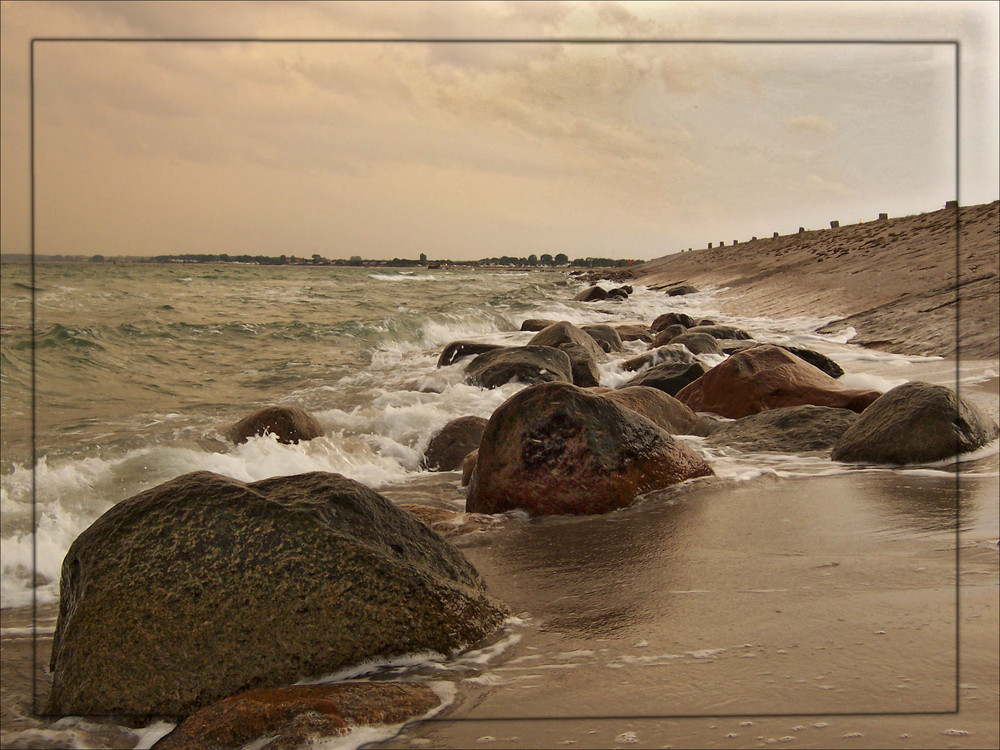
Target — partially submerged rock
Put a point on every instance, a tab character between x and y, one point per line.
669	377
661	354
564	332
593	294
526	364
698	343
662	410
722	332
456	350
605	336
916	423
792	429
449	447
205	586
554	448
289	424
672	318
768	377
634	332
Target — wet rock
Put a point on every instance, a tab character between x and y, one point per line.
672	318
605	336
730	346
707	424
659	355
655	405
666	335
634	332
792	429
557	449
722	332
583	364
705	322
566	333
526	364
915	423
670	377
289	424
160	597
682	289
817	359
698	343
449	447
468	464
593	294
537	324
618	293
458	349
768	377
295	716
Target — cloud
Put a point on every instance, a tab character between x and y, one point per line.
821	184
811	124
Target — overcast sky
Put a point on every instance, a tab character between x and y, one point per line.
475	149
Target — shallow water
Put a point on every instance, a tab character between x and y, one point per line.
788	584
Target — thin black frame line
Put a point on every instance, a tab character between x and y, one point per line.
582	41
958	371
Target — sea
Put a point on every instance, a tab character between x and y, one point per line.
136	370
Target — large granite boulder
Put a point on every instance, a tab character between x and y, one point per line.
659	355
297	716
564	332
605	336
698	343
670	319
669	377
554	448
456	350
205	586
768	377
593	294
583	364
526	364
915	423
655	405
449	447
792	429
289	424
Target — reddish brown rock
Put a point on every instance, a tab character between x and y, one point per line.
655	405
449	447
297	715
672	318
667	334
289	424
555	449
768	377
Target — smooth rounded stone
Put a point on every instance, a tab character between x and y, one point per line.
452	444
698	343
666	335
670	377
583	364
593	294
816	359
526	364
792	429
659	355
289	424
537	324
297	716
682	289
655	405
634	332
199	588
556	449
706	424
468	464
915	423
768	377
705	322
565	332
730	346
672	318
606	337
456	350
617	293
722	332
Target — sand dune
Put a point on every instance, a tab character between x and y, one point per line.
904	283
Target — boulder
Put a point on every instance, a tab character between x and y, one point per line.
633	332
681	289
659	355
792	429
298	715
606	337
915	423
618	293
526	364
655	405
817	359
468	464
707	424
289	424
730	346
698	343
768	377
672	319
566	333
670	377
205	586
583	365
722	332
666	335
554	448
537	324
452	444
458	349
593	294
705	322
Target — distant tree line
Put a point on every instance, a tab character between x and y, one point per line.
545	260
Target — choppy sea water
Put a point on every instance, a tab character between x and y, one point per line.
141	368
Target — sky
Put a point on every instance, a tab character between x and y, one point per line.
664	126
